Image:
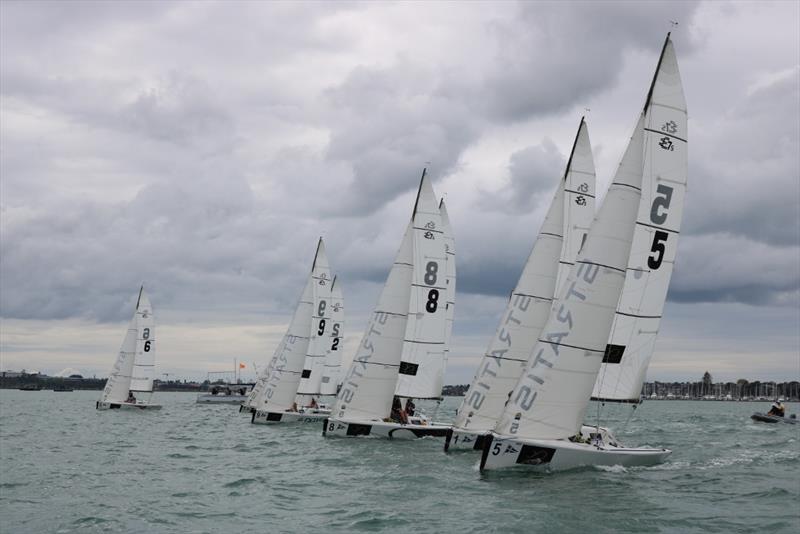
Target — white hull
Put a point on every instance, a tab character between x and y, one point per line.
125	406
382	429
271	418
207	398
458	439
558	455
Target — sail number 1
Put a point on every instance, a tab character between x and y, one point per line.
431	274
658	216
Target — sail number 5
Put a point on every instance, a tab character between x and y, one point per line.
431	272
658	215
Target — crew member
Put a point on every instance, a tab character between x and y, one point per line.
777	408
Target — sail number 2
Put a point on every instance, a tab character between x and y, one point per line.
431	274
658	216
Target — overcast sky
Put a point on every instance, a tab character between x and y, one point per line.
202	147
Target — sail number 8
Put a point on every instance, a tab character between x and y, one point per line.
658	216
431	275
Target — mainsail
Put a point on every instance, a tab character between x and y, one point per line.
530	303
145	359
551	397
333	358
421	371
415	286
655	239
314	365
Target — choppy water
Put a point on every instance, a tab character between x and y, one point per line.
65	467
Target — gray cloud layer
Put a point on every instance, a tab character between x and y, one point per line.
202	148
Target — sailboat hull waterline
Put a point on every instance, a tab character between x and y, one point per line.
561	455
260	417
382	429
125	406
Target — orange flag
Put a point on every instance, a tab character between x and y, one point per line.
242	366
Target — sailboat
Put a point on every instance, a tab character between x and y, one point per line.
542	425
301	356
403	350
130	384
562	233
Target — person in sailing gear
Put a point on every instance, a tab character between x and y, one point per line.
777	408
410	408
131	399
313	403
398	414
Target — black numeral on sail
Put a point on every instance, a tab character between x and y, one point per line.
146	333
321	308
659	247
335	345
321	327
430	272
433	301
147	346
657	216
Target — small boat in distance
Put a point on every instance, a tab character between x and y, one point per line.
62	389
130	384
30	387
227	388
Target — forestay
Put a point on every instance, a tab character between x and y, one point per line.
551	397
530	303
333	356
655	240
314	365
421	371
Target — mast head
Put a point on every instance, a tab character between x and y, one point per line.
139	298
655	74
419	190
316	254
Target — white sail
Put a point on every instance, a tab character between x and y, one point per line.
579	200
655	240
145	354
119	380
256	397
314	365
333	357
421	371
530	303
287	367
551	397
450	250
369	383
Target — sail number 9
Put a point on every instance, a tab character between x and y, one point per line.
431	272
658	215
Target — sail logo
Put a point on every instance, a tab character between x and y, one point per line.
550	345
666	144
280	364
502	339
368	350
670	127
